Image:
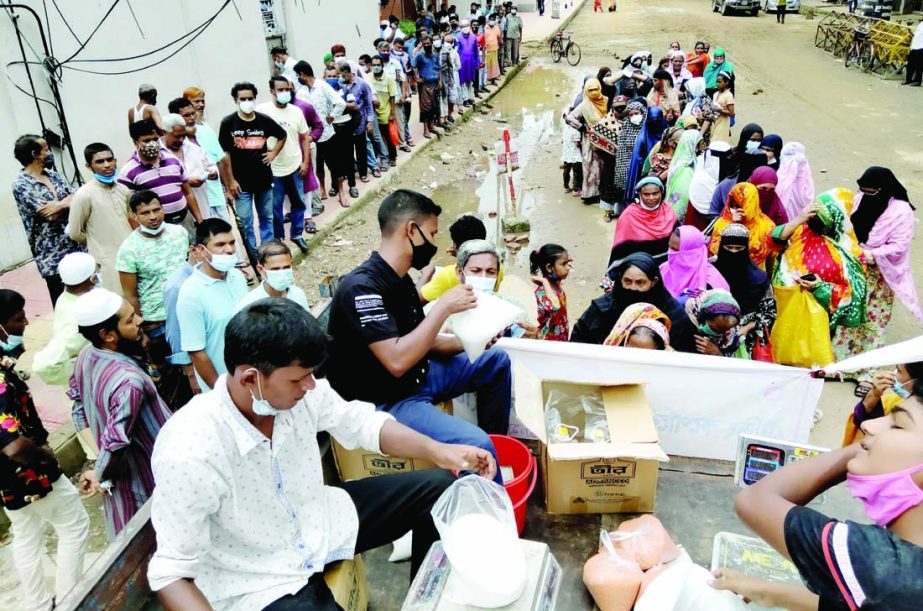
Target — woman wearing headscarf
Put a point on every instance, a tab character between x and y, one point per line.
821	255
796	184
765	179
687	268
641	326
630	129
883	222
658	162
725	109
699	105
711	167
585	115
654	126
749	142
646	224
748	284
772	145
743	206
741	171
716	315
718	65
607	83
664	96
635	279
677	70
681	170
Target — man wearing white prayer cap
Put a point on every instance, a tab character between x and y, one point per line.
55	362
116	399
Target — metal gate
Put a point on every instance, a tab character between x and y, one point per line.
887	43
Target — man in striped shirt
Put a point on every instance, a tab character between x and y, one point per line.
153	168
116	399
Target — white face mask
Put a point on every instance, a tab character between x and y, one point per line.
247	106
156	231
284	97
752	145
222	263
280	279
636	119
481	284
261	406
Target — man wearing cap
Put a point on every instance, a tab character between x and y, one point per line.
146	108
55	362
98	214
207	299
36	493
116	399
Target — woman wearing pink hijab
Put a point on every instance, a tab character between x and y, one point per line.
766	181
883	220
687	267
796	185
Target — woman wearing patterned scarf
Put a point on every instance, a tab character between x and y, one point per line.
715	314
633	122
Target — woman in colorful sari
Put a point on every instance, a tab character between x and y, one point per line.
585	115
765	179
749	284
681	170
654	126
743	206
658	162
641	325
664	96
687	268
796	185
821	255
629	131
716	315
883	222
646	224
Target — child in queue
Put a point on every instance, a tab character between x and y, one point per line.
550	265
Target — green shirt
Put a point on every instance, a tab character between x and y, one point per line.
386	90
153	261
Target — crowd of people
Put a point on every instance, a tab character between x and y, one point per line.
199	393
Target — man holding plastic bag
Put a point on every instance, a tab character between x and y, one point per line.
242	515
386	351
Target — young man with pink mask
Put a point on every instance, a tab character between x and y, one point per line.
845	565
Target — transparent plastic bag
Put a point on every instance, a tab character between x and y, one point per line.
564	413
475	328
596	429
558	432
644	540
475	521
613	580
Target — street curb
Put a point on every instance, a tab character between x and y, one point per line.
385	181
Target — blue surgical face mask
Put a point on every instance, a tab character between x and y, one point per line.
261	406
157	231
899	389
753	145
11	343
222	263
106	180
280	279
284	97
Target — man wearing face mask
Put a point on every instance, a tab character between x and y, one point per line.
146	259
283	65
210	196
845	564
276	269
358	95
468	54
290	167
426	63
153	168
115	398
379	331
55	362
13	323
207	300
98	214
513	36
246	166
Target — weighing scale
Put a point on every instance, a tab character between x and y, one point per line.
758	456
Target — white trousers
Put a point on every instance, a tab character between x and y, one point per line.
64	511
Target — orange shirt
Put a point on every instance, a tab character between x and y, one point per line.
696	63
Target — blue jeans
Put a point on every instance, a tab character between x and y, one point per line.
490	376
376	148
293	186
406	108
244	207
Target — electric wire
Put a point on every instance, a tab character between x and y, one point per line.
64	19
93	33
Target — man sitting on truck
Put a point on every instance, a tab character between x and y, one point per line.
242	515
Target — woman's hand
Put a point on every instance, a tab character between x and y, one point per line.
737	215
807	213
882	381
808	285
706	346
746	329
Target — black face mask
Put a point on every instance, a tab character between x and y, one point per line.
49	161
422	253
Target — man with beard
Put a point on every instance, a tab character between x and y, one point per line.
116	399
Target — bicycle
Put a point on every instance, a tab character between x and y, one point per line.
571	50
860	52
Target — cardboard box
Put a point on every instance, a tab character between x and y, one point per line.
540	593
346	580
360	463
615	477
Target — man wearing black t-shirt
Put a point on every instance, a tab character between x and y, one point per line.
845	565
245	168
387	352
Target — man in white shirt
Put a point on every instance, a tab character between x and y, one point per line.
293	162
329	106
915	59
242	516
284	65
275	267
199	168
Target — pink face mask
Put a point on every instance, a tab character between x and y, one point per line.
886	497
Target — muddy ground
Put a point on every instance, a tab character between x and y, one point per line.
847	120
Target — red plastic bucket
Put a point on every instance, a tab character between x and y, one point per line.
514	454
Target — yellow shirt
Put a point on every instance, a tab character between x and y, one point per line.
444	279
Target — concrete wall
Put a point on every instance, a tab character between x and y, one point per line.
232	48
